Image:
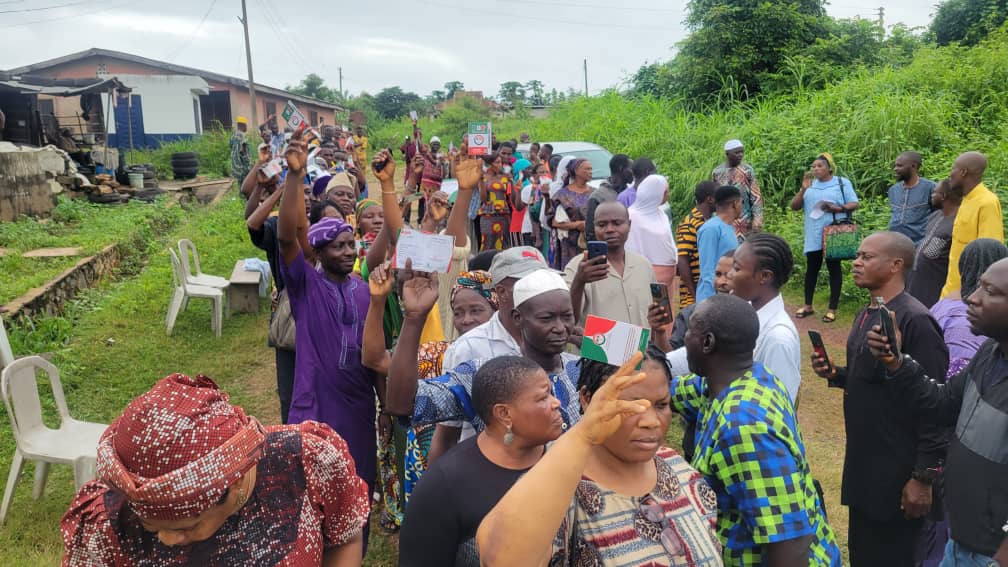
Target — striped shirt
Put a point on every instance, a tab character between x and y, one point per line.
686	244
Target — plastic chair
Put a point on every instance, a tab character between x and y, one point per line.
187	248
183	291
75	443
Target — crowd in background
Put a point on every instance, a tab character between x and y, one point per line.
452	406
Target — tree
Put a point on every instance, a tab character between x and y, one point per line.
512	93
967	21
534	93
452	87
392	102
736	43
437	96
314	86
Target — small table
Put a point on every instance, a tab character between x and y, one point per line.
243	291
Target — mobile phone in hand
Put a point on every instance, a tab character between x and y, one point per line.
378	166
597	248
660	295
888	327
818	347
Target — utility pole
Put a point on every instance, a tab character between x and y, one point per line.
248	60
341	83
586	75
881	19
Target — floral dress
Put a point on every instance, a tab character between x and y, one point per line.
568	206
495	212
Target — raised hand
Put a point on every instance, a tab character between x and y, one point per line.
296	156
591	270
469	172
384	166
606	411
380	281
420	292
417	165
437	206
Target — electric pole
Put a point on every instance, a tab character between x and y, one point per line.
341	83
881	18
248	60
586	75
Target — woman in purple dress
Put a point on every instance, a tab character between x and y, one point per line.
329	305
570	208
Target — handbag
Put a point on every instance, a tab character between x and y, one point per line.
281	328
841	238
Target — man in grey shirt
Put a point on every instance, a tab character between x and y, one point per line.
910	197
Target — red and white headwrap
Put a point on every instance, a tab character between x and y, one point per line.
176	450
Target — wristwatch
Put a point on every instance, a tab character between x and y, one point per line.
926	475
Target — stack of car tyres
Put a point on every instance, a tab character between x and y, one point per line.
185	165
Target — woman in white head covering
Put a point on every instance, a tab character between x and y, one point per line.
650	231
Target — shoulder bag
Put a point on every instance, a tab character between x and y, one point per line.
841	238
281	328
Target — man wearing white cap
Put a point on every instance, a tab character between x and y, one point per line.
740	174
545	320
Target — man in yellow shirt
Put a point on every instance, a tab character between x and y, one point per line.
360	143
979	215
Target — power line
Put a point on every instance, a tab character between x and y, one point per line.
45	7
600	6
289	46
60	18
547	20
192	36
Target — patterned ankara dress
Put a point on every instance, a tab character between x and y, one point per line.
495	212
306	499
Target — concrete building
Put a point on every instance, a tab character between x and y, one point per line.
168	98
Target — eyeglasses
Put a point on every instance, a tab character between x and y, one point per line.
670	538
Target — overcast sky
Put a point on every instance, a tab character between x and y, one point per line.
416	44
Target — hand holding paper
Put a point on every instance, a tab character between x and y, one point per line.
427	252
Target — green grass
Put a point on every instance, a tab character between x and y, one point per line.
100	379
75	223
211	147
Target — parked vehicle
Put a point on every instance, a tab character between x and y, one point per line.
597	155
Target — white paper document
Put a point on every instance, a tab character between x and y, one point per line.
428	252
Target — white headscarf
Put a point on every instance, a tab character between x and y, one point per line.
557	184
650	231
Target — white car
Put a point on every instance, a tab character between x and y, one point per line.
597	155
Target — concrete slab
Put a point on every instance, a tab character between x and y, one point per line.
52	252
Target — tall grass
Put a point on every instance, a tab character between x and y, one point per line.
211	147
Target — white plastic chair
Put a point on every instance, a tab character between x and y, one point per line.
75	443
183	291
187	248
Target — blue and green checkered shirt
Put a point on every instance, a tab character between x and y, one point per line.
749	448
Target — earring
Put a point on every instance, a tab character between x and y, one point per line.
508	436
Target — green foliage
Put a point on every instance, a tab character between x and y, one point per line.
392	102
743	40
511	93
314	86
967	21
452	87
212	147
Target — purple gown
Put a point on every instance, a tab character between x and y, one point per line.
330	383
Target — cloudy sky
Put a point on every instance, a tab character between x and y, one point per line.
417	44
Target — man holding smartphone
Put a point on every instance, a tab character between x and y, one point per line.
615	284
891	458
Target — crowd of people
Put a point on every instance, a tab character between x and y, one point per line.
453	407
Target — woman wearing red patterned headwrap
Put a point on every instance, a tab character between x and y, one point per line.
186	478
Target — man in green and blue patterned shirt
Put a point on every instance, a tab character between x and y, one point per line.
748	445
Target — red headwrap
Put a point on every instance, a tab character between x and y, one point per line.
176	450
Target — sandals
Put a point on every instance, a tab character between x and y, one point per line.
803	313
829	317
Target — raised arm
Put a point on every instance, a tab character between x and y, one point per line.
468	173
798	202
292	206
419	294
374	355
520	528
262	212
389	199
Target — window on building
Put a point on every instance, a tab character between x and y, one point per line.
313	118
196	115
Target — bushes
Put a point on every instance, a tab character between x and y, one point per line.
212	147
